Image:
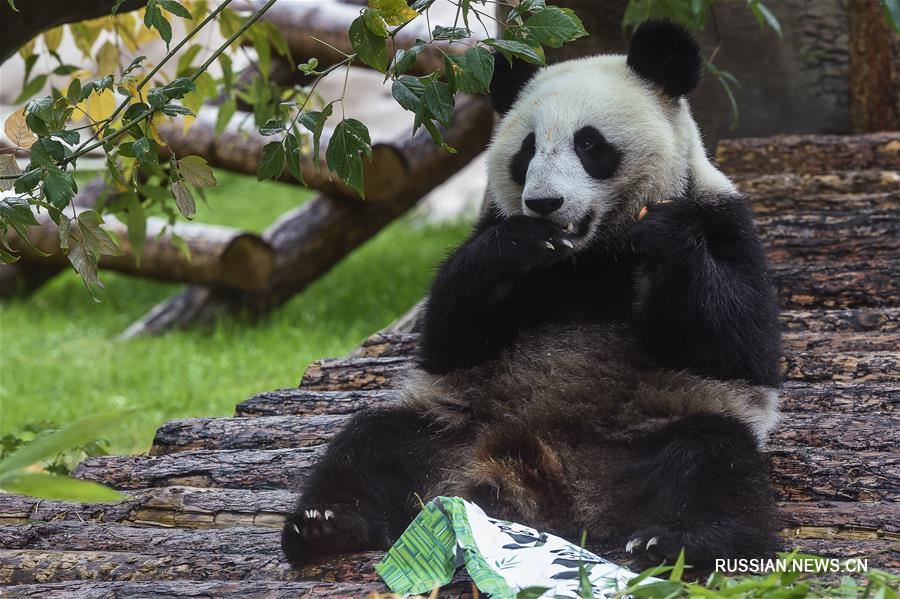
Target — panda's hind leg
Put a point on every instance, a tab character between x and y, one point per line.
700	484
361	493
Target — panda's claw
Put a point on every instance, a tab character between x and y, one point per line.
568	244
635	542
570	227
329	514
549	245
653	541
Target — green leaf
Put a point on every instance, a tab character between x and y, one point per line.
764	16
176	9
678	569
349	142
74	91
892	13
552	27
73	435
179	88
29	180
518	49
96	238
187	59
136	110
272	127
12	5
59	187
196	171
133	65
70	137
176	110
154	19
60	488
292	155
439	101
31	88
394	12
371	48
405	58
16	213
473	70
314	121
144	151
450	33
184	199
374	23
272	163
531	592
408	91
47	152
136	221
226	111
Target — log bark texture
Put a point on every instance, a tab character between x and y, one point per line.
799	473
809	154
799	186
310	240
304	402
219	256
874	68
873	431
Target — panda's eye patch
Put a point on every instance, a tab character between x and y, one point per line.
519	165
598	157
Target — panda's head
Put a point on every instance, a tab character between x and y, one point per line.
589	141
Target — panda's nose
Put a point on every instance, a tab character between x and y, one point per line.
544	206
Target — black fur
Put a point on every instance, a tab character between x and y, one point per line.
518	166
508	80
666	54
598	157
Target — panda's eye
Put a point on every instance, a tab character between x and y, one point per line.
587	144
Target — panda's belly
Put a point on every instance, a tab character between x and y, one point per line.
583	379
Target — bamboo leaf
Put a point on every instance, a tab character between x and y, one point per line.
60	488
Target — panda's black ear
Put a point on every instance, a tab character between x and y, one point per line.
667	55
508	81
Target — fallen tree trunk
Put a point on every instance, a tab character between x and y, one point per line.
854	284
219	256
872	431
799	473
240	151
796	396
228	589
809	154
793	187
310	240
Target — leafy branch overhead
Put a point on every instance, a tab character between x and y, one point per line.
117	110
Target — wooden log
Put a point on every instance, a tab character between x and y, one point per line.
856	284
313	238
353	373
859	520
874	68
859	320
785	187
345	374
799	473
301	22
31	566
219	256
303	402
809	154
24	277
835	475
823	237
240	151
184	507
387	345
856	397
874	431
880	554
221	589
788	203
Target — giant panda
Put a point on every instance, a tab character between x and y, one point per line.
600	355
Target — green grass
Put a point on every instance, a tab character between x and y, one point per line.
61	359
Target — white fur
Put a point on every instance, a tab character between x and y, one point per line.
659	141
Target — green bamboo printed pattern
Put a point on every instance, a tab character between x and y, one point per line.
427	554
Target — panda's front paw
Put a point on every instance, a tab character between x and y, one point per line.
311	533
531	242
668	231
